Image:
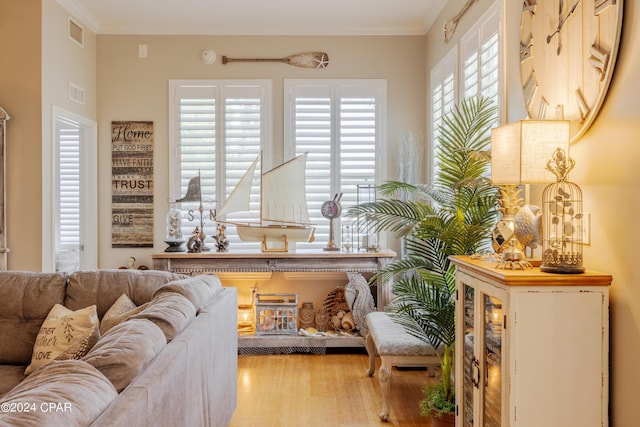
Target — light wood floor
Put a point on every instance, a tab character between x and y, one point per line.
323	390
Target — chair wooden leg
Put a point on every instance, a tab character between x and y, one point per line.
371	350
384	376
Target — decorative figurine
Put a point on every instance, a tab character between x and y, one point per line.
221	240
196	241
131	265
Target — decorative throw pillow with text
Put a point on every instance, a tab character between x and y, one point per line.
61	330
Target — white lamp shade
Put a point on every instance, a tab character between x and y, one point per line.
520	150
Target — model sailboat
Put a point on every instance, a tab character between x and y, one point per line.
284	216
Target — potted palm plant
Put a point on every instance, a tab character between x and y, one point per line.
453	216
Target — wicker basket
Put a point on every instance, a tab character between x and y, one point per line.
276	314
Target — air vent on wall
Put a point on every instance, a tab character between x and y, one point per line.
76	32
76	93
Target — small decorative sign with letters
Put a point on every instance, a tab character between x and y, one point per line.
131	184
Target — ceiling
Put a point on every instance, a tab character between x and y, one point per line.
257	17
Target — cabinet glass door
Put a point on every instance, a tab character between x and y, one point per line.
470	373
493	327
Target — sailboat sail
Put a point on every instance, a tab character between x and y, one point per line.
240	196
283	193
282	201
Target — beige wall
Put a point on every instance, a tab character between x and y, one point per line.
20	96
130	88
607	158
607	161
63	61
33	77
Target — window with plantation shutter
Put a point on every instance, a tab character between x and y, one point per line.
68	196
339	123
443	96
471	68
71	194
218	128
479	50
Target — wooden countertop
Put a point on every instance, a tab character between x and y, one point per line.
530	277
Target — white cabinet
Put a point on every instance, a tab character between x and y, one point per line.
532	348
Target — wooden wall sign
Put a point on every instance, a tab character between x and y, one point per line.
131	184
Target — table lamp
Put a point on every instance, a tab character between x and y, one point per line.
519	155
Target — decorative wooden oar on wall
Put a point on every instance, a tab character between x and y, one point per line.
304	60
451	25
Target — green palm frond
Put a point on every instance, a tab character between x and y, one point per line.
395	215
409	265
398	189
425	311
453	216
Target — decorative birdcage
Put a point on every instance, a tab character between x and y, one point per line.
562	219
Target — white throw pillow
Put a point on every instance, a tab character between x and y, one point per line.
62	329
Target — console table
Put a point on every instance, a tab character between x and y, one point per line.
316	261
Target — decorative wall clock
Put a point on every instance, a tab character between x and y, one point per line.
568	51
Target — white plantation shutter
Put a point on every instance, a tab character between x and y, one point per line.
479	50
197	151
69	196
67	200
470	69
339	124
243	130
490	69
218	129
443	96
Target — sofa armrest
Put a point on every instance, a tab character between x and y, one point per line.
193	380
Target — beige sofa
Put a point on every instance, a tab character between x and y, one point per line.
172	364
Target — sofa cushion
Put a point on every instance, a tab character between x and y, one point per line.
61	330
170	311
10	376
120	311
124	351
104	287
199	289
25	301
76	391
